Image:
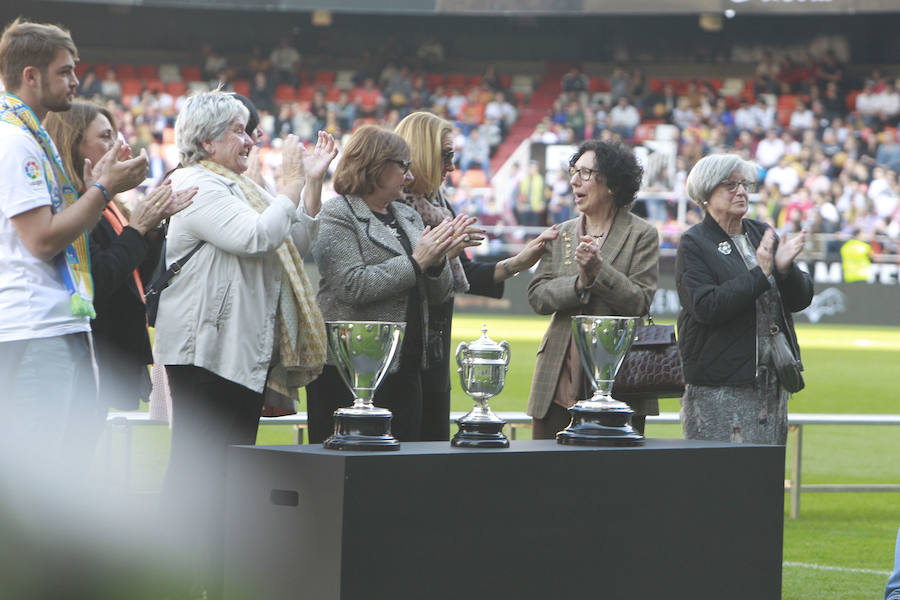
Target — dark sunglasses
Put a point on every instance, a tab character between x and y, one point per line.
447	155
404	164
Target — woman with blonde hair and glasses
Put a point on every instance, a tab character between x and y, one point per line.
430	140
738	285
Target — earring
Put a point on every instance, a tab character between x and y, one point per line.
609	191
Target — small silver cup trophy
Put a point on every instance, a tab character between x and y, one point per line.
482	373
601	420
362	352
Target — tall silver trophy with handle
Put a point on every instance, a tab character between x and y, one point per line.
482	373
601	420
362	351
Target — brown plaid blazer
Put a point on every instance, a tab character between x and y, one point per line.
625	286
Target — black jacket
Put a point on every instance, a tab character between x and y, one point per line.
120	329
717	323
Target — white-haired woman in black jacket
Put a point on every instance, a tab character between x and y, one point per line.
738	287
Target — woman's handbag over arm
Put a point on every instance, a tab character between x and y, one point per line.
652	366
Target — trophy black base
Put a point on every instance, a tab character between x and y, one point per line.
362	432
610	427
480	434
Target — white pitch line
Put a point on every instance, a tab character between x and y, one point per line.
827	568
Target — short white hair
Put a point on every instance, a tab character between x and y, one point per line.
203	118
712	170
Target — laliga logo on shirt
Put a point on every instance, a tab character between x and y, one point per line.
32	171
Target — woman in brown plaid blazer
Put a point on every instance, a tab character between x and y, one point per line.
604	262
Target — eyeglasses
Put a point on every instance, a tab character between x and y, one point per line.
404	164
583	173
447	155
732	186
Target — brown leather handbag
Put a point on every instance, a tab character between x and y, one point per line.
652	366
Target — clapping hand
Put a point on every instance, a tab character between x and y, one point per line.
787	251
161	203
115	173
315	163
466	234
587	256
434	243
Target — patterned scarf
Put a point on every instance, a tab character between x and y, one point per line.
433	211
300	357
74	263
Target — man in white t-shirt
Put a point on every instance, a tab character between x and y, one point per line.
46	364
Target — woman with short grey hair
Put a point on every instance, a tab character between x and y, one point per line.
738	285
239	317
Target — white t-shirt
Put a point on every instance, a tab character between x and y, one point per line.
34	302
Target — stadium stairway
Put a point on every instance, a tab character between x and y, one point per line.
530	114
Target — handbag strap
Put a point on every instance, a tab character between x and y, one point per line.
162	282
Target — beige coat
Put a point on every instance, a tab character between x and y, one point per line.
219	312
625	286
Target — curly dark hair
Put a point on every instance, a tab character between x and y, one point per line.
617	163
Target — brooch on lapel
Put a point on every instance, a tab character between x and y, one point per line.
568	241
725	248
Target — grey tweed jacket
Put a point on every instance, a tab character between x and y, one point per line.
365	273
625	286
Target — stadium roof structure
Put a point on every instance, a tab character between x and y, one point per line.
530	7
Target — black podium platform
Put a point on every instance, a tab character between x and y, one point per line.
672	519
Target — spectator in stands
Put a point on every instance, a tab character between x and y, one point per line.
783	176
125	249
619	85
257	63
604	262
345	111
623	118
431	150
286	62
737	284
801	118
661	104
532	205
888	153
228	294
261	92
368	99
90	86
476	152
430	53
110	87
215	65
501	111
378	262
575	81
770	149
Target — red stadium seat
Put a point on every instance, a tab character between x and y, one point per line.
432	80
474	178
131	87
191	73
324	79
307	92
285	93
851	99
241	86
506	81
154	85
333	94
81	68
475	80
101	68
148	72
456	80
125	71
176	88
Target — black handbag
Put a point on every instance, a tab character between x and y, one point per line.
652	367
162	277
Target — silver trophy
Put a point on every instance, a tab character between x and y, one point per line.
362	351
601	420
482	373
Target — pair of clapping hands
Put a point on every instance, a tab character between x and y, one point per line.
447	239
119	171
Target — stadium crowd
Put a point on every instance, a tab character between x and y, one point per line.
826	143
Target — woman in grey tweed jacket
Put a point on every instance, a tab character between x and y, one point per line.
605	262
377	262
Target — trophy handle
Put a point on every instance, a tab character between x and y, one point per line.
505	345
461	350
